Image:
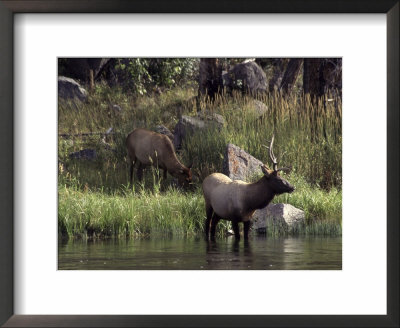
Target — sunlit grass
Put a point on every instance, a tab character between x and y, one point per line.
143	211
96	199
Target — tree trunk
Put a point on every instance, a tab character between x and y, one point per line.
331	70
210	77
291	75
312	77
322	76
278	70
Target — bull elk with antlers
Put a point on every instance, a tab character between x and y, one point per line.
236	200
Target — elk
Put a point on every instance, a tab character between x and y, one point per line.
151	148
236	200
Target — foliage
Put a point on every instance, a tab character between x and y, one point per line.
142	75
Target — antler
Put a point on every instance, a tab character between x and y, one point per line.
272	156
274	160
286	169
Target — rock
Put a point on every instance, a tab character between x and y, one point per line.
166	115
260	108
213	117
279	216
246	76
189	124
89	154
69	89
239	165
164	130
116	108
255	107
106	146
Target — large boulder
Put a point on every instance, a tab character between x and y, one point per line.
278	216
164	130
190	124
69	89
211	117
240	165
247	77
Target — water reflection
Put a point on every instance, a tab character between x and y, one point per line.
259	253
229	254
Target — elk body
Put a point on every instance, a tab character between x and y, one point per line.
236	200
151	148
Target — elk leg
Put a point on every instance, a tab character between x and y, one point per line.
132	162
165	174
214	221
246	228
235	226
131	172
140	172
209	213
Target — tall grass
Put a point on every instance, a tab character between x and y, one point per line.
307	137
141	211
94	197
132	214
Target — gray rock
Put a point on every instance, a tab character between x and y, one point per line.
246	76
240	165
116	108
89	154
166	115
206	115
164	130
279	216
189	124
106	146
69	89
259	108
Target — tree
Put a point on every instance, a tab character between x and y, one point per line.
291	74
84	69
279	65
321	76
210	77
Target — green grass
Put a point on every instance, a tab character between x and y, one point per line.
94	197
141	212
312	146
132	214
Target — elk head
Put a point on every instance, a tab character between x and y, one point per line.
277	183
185	176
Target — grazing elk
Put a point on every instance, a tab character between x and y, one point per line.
236	200
151	148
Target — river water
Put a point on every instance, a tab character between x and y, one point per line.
259	253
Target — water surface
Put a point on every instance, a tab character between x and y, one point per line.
260	253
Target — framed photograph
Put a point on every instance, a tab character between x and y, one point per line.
157	155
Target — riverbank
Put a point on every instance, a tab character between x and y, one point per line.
143	212
95	200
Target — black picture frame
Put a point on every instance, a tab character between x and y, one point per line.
10	7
